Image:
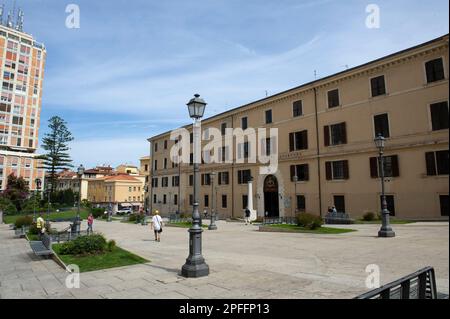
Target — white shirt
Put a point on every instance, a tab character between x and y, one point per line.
156	220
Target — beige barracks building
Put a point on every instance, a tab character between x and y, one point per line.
326	130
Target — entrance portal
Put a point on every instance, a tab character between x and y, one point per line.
271	201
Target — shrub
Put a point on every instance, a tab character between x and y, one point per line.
309	221
84	245
33	230
23	221
369	216
136	217
7	206
111	245
97	212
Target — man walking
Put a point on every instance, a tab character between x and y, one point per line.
157	225
247	216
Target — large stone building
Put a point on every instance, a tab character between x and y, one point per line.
326	131
22	62
118	190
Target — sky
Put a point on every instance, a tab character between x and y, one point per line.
128	71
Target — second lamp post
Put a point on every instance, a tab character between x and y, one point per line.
386	229
195	265
80	173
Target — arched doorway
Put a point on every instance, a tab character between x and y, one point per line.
271	201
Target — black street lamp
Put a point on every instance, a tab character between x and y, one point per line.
80	173
144	219
212	224
38	182
386	230
195	265
49	192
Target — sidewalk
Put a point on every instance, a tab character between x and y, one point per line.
244	263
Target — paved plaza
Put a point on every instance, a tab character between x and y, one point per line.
244	263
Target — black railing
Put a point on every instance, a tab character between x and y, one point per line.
279	220
419	285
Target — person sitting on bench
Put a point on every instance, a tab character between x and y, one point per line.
40	225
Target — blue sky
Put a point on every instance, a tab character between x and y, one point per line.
128	71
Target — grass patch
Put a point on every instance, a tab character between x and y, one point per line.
118	257
11	219
391	220
185	224
320	230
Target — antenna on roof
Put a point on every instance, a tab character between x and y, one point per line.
267	93
9	22
19	26
315	74
2	8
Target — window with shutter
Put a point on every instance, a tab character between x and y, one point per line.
378	86
374	167
430	162
326	135
333	98
435	70
381	123
297	108
328	171
439	116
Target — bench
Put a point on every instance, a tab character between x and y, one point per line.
338	218
42	247
418	285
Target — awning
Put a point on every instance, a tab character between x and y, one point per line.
125	205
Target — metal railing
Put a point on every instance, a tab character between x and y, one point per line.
279	220
419	285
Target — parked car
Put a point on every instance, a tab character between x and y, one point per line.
124	211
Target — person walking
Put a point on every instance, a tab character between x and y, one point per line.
40	225
247	216
90	222
157	225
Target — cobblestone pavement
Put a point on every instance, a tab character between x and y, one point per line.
244	263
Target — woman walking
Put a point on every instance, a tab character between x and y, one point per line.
157	225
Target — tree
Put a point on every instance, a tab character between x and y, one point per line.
55	143
16	191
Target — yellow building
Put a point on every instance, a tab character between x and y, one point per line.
119	191
22	62
326	130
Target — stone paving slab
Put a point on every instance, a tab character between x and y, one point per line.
244	263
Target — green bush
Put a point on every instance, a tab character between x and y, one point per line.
97	212
7	206
369	216
33	230
111	245
136	217
84	245
23	221
309	221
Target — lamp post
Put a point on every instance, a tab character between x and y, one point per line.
144	220
212	224
385	230
49	191
80	173
295	180
195	265
38	182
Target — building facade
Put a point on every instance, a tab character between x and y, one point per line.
22	62
117	191
326	132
